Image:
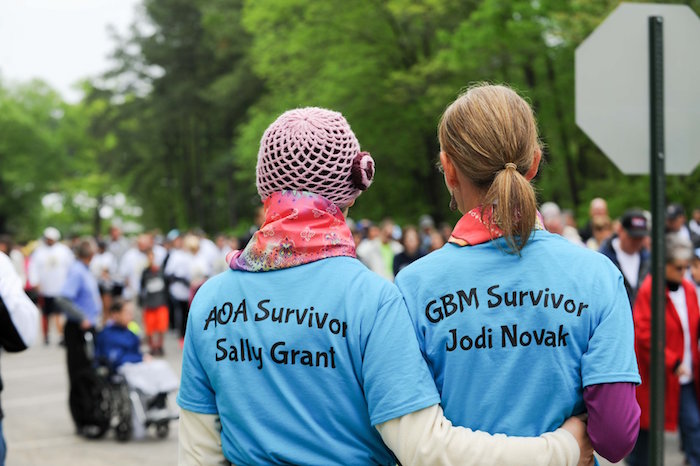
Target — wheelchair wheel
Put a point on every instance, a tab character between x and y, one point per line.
162	429
124	431
122	413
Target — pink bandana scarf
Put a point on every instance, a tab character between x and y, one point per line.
475	227
300	227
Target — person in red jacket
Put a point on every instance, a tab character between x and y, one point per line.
682	356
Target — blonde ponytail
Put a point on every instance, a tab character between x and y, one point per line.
490	135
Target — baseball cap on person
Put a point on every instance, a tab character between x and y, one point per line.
635	223
172	234
52	233
313	149
673	211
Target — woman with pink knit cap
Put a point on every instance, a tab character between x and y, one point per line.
300	355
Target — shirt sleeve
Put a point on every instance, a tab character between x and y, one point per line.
200	440
396	380
610	355
71	287
196	392
426	437
613	418
19	317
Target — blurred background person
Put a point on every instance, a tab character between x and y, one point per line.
178	271
554	222
597	207
153	299
14	252
104	267
81	302
132	264
436	241
445	231
426	225
20	322
200	270
411	248
117	244
675	220
695	270
627	250
601	227
694	228
48	269
377	251
682	358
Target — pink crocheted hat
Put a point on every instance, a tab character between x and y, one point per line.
313	149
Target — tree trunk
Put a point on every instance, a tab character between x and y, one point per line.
563	133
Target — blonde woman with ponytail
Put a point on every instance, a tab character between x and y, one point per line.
521	329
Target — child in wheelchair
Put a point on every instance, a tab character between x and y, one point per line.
145	381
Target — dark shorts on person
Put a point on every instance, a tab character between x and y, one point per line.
49	306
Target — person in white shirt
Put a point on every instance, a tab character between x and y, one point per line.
48	270
555	222
104	267
178	274
694	228
132	264
675	221
20	320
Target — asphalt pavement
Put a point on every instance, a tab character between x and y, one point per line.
38	427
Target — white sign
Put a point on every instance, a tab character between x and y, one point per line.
612	87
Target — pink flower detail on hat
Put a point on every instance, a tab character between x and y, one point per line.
332	209
317	213
362	170
268	232
307	233
294	215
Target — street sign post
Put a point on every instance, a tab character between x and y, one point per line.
637	94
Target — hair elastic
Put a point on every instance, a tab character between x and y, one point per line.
511	165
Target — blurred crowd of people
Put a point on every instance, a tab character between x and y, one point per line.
150	270
157	271
139	268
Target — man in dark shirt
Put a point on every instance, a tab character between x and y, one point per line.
627	250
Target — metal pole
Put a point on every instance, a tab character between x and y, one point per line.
658	295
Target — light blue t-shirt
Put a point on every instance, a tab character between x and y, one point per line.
301	363
511	341
81	288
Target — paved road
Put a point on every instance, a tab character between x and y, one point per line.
39	430
38	427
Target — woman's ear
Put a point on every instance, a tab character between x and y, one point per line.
449	170
535	165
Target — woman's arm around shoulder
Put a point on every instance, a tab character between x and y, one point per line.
426	437
200	440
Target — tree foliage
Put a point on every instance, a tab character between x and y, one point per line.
178	120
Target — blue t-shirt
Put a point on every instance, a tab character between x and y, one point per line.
511	341
301	363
